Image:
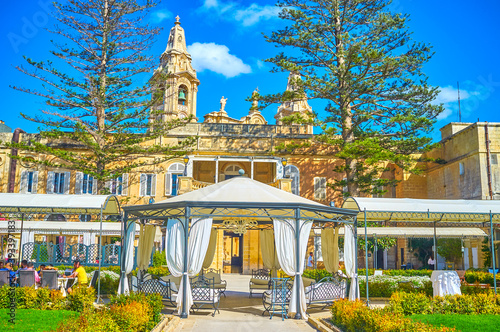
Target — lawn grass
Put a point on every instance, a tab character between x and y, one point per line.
34	320
464	323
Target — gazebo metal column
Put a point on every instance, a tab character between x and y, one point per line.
297	261
493	263
366	261
124	250
185	278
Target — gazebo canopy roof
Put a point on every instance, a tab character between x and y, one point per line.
62	204
424	210
62	227
419	232
240	197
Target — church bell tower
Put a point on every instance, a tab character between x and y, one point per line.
180	83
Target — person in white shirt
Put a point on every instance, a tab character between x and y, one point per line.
431	262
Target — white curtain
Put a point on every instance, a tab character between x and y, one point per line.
146	242
268	251
88	238
350	261
199	237
330	248
129	257
284	231
212	245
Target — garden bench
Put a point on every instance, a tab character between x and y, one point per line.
326	291
156	286
205	294
260	280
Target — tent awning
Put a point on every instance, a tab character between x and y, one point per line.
240	197
419	232
63	204
65	228
414	210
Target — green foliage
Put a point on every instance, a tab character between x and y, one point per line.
416	303
450	249
316	274
109	285
360	58
486	249
81	299
480	277
159	259
26	297
355	316
410	303
90	321
153	301
95	103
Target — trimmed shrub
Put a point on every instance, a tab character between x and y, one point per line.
133	316
153	301
415	303
90	321
81	299
410	303
356	316
26	297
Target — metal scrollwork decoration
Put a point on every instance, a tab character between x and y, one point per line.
239	225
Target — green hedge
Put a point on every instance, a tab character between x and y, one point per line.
45	299
416	303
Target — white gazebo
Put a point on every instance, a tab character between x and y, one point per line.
239	202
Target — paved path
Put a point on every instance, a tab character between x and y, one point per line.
240	313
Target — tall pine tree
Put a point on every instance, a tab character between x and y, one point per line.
97	112
358	56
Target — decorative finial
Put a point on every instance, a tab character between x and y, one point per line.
241	172
177	20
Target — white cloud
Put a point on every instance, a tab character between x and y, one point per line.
247	16
216	58
160	15
470	96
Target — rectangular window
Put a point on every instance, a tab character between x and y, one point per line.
116	187
30	182
87	184
461	168
320	188
148	184
59	179
494	159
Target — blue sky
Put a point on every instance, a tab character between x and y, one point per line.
226	42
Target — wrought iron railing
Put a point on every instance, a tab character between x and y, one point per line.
64	254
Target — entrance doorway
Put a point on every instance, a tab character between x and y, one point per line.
233	252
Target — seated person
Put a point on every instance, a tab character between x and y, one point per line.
78	272
31	267
12	274
43	267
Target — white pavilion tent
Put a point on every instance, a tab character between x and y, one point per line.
237	202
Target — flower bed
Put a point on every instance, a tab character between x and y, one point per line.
385	286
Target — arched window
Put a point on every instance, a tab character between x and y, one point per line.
231	171
171	184
292	172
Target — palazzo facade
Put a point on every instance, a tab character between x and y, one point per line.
467	167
